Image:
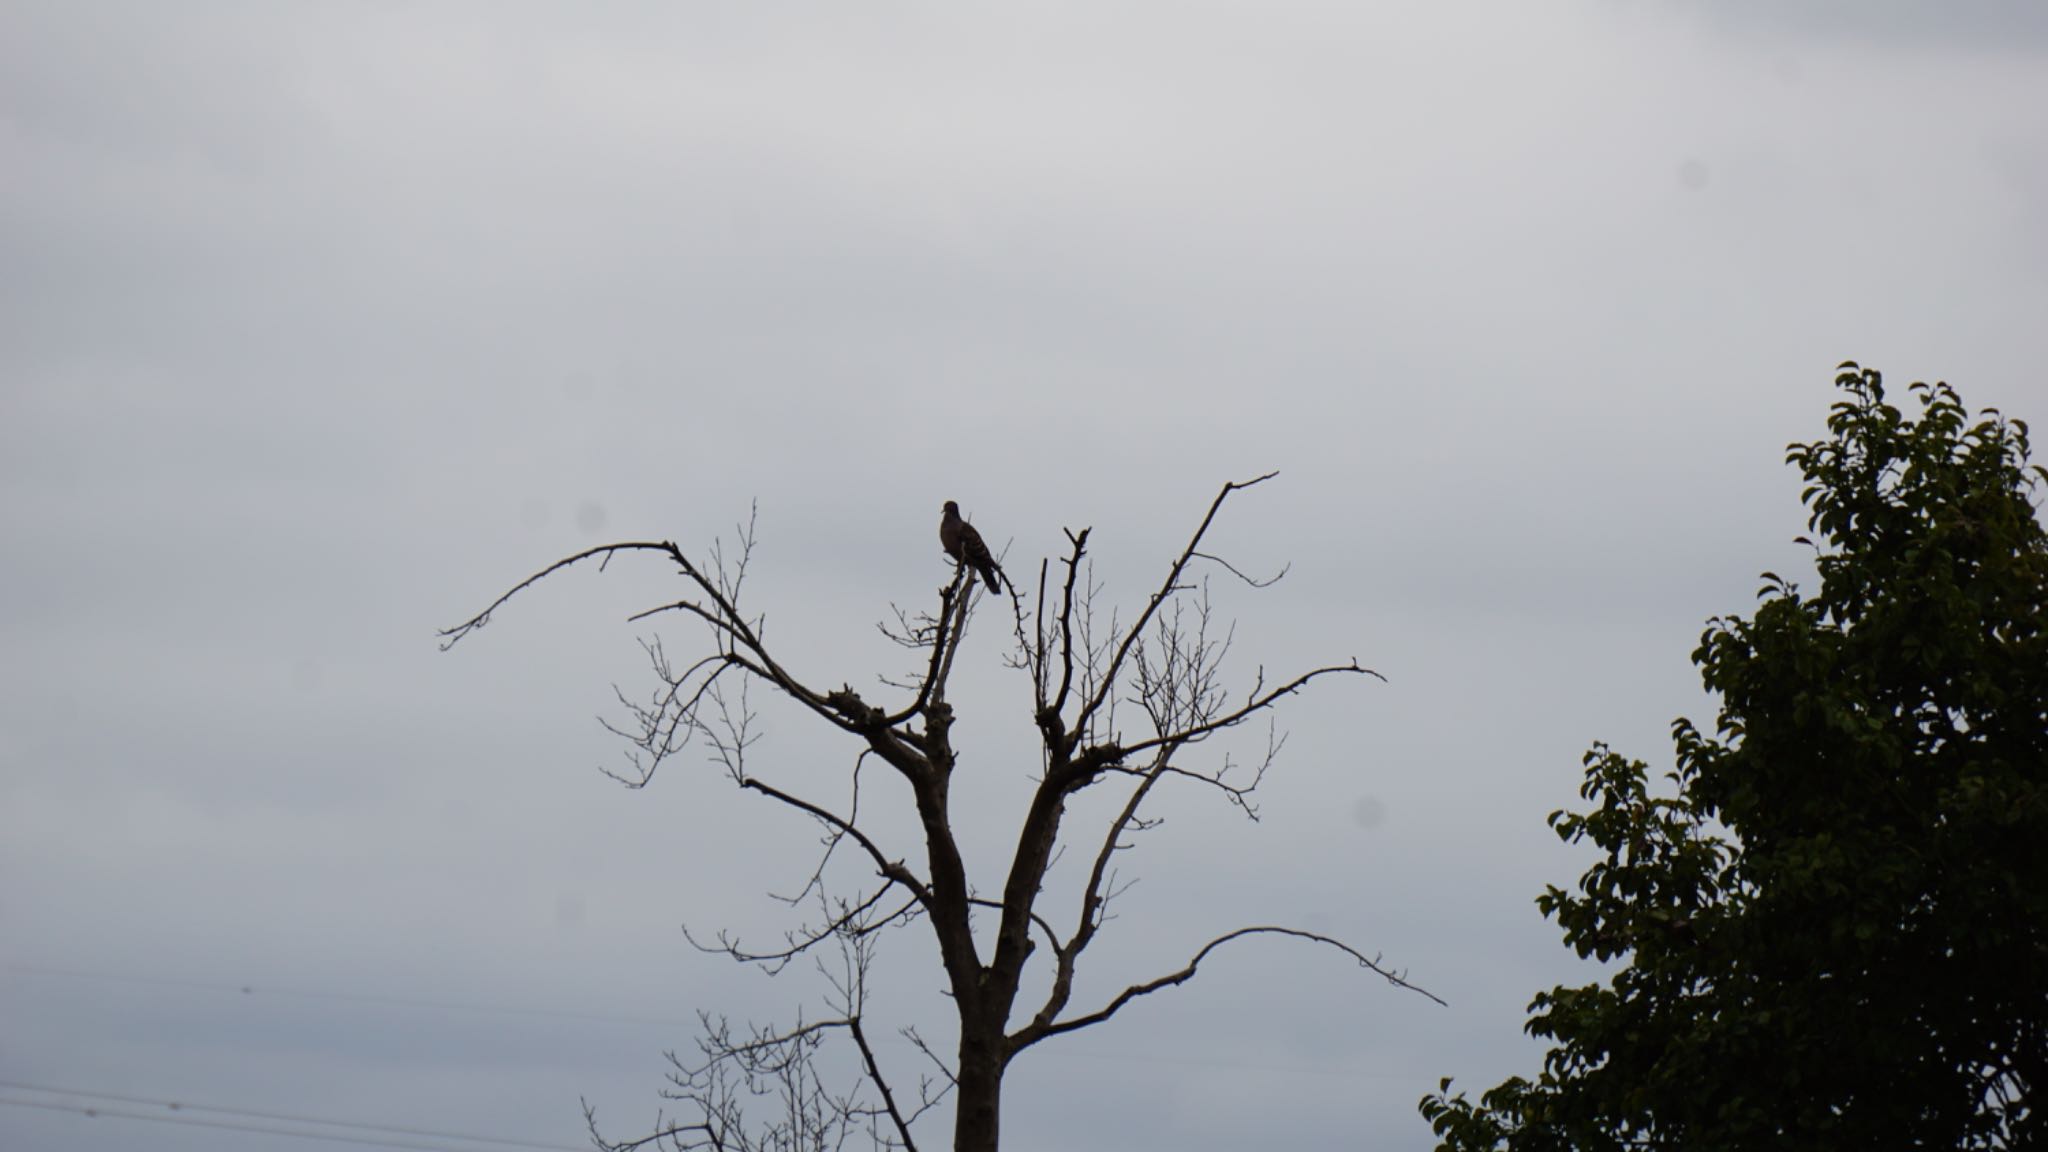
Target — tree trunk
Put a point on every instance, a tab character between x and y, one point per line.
978	1099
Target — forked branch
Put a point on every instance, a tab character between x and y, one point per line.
1167	588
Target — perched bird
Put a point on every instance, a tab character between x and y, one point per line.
965	546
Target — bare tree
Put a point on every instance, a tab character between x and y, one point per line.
1166	664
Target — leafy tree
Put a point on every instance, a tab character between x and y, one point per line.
1835	933
1132	708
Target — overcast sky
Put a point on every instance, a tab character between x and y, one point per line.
320	324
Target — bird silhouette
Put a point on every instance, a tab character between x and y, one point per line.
965	546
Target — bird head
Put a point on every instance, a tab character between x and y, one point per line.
952	508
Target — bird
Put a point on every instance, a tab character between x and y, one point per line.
965	546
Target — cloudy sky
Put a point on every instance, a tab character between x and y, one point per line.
322	323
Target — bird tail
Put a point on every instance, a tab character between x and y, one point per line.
988	576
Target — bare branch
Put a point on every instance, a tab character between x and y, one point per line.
1093	904
451	636
867	1056
1266	583
1035	1032
1238	795
1167	588
672	1133
892	869
1037	650
850	922
942	662
1256	703
917	1041
783	1064
935	678
815	883
1051	937
1073	563
736	633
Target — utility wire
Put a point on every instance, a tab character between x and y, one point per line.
110	1114
252	1114
360	997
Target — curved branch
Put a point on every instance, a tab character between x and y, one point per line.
450	636
1036	1032
1045	926
1092	902
723	617
1254	704
670	1133
892	869
1238	794
1275	578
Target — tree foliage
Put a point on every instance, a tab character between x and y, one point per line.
1834	934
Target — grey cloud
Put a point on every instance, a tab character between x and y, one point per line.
320	324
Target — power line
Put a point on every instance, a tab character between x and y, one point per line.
110	1114
253	1114
358	997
